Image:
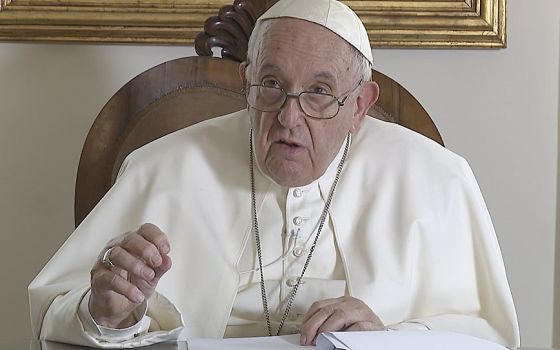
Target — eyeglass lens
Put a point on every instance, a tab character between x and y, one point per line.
271	99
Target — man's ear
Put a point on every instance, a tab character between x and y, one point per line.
369	93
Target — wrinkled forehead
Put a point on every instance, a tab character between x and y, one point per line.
300	31
296	43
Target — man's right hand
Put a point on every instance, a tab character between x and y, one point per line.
140	259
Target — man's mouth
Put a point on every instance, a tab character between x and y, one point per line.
289	147
289	143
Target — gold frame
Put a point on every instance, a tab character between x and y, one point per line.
395	23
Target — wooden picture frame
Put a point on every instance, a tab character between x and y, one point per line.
402	23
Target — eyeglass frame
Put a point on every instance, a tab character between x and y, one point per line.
340	101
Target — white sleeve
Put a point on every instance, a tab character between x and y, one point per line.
64	321
114	335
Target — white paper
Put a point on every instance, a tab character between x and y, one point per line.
393	340
403	340
283	342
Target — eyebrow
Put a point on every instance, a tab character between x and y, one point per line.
270	66
326	75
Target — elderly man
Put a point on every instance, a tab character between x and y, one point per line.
297	215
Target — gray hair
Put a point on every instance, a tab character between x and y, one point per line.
363	66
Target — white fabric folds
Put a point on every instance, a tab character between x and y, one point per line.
414	235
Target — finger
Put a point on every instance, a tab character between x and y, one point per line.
106	281
143	249
157	237
164	267
148	286
366	326
124	260
339	320
310	327
316	306
336	322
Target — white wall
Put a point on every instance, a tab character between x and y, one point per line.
498	108
49	97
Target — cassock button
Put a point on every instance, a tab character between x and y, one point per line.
298	192
298	221
291	282
298	251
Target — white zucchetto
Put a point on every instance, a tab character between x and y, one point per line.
330	14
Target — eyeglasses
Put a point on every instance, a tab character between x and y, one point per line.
313	104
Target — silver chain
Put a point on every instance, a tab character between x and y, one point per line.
258	238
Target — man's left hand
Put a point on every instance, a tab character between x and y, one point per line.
338	314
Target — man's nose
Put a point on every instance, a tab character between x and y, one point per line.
290	114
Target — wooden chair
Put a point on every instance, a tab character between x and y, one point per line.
185	91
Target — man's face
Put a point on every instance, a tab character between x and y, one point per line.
297	55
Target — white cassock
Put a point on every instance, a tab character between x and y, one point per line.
408	233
